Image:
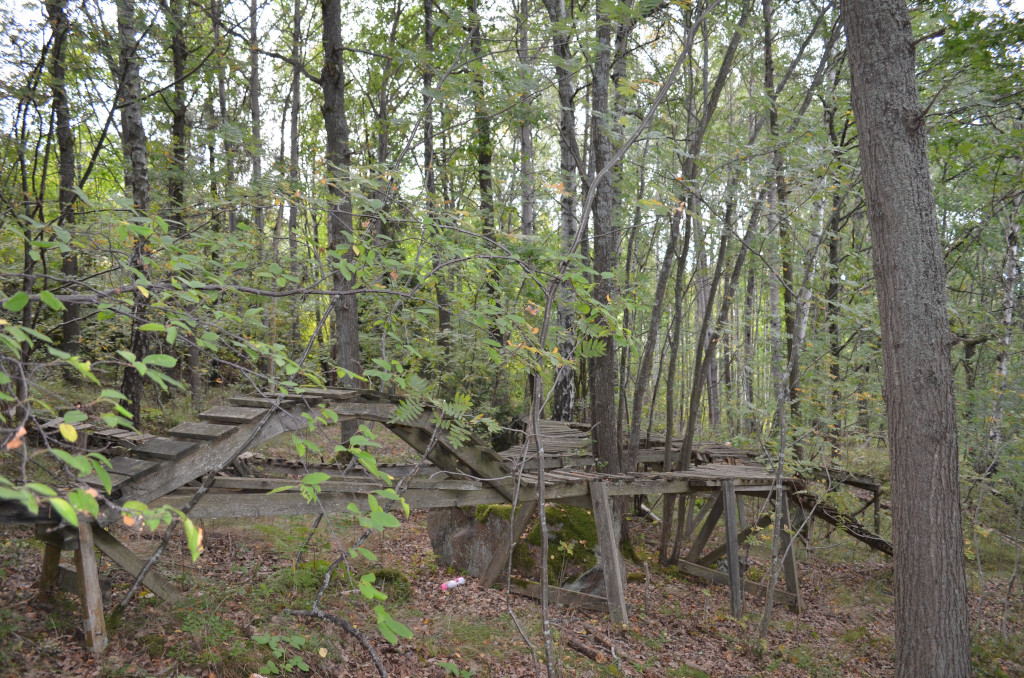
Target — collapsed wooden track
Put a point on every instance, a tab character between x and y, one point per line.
160	469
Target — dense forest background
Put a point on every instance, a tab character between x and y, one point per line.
641	215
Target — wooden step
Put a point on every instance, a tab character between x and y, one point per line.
328	393
233	415
163	449
199	430
288	399
116	480
130	466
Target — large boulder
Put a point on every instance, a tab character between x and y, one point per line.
463	541
467	540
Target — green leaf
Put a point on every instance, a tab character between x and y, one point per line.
152	327
53	302
75	416
315	479
65	510
17	302
283	488
80	464
160	360
389	628
84	502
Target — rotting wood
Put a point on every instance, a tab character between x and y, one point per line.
132	564
198	430
722	578
732	549
95	627
611	557
226	414
561	596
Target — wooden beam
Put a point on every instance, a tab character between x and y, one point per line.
732	550
49	574
132	564
611	558
206	458
705	531
762	522
95	626
789	556
716	577
560	596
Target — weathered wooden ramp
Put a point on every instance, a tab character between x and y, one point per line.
164	469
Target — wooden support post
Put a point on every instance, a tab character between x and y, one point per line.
132	564
706	529
611	559
741	507
508	542
48	577
732	550
89	586
789	556
877	501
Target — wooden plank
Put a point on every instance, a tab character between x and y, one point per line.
50	570
92	595
716	577
117	481
207	458
132	564
560	596
201	430
499	563
129	466
762	522
611	558
732	550
706	529
328	393
163	449
789	556
67	580
225	414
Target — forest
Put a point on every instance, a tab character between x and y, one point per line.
788	228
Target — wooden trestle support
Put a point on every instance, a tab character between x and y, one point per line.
158	471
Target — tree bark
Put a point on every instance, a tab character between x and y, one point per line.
932	633
56	11
133	140
564	398
339	217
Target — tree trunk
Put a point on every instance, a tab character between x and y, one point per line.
56	11
605	253
564	405
339	217
133	140
256	152
932	633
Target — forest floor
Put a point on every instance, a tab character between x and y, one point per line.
240	587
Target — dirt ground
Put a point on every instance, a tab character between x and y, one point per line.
240	588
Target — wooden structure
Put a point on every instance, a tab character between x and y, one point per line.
162	470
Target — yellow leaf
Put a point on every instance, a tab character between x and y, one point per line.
608	297
535	330
143	291
128	520
322	652
68	431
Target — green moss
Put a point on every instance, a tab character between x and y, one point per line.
503	511
393	582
